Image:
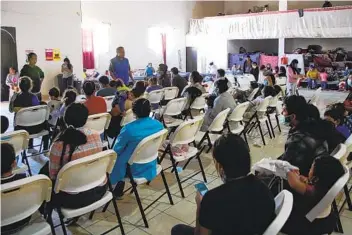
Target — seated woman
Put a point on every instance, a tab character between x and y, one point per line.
266	91
153	85
73	143
336	116
128	140
26	99
223	101
194	89
230	208
307	192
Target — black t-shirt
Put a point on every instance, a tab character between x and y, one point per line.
242	207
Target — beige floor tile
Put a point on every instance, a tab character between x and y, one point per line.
163	203
161	224
84	221
104	225
138	231
184	211
136	217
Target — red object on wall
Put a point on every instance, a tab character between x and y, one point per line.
284	60
163	41
87	48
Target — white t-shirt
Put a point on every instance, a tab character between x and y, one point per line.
212	87
213	69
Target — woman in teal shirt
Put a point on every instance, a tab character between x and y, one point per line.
127	141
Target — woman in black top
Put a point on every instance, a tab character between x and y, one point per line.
242	205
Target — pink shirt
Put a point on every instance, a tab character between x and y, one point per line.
290	75
324	77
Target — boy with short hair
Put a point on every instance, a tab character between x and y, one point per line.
54	104
8	163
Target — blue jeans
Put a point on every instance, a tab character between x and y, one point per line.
324	85
312	83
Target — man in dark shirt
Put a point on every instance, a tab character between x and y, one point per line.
327	4
177	80
8	163
35	73
242	205
106	90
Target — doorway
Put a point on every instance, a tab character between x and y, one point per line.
191	59
8	57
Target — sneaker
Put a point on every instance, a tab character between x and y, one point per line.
33	151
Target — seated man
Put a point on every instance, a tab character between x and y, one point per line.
94	104
242	205
106	90
8	163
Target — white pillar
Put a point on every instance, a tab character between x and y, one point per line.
282	7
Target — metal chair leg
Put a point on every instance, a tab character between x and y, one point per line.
201	167
348	198
134	188
269	131
176	174
49	219
62	221
116	209
261	133
271	127
25	160
278	122
338	228
166	187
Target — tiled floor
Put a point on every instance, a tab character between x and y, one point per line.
162	216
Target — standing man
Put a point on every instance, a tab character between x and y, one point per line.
120	67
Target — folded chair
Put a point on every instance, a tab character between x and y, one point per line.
214	131
170	93
21	199
100	123
146	152
258	118
184	135
235	120
19	140
84	174
283	208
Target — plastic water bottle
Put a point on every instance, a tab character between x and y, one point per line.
179	169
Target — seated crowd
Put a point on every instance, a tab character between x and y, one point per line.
243	204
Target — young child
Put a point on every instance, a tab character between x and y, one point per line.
336	116
324	79
8	163
153	85
312	76
323	174
4	124
54	104
118	105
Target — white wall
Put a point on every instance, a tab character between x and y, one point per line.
263	45
129	28
43	25
326	43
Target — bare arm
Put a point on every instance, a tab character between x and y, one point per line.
296	183
130	73
199	230
111	70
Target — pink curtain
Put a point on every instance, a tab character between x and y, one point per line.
88	50
272	60
163	41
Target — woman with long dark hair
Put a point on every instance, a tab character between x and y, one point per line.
67	73
292	77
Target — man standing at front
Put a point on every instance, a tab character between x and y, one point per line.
120	67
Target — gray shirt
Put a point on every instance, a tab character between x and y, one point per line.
108	91
179	82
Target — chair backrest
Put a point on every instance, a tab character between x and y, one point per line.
19	140
108	101
85	173
22	198
170	93
238	112
175	107
156	96
199	102
129	117
263	106
283	208
273	102
32	116
252	95
348	144
219	121
315	98
187	131
281	81
147	150
81	98
98	122
339	152
326	201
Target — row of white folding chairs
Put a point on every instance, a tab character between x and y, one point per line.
167	93
72	178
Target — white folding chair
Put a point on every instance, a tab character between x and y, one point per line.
108	101
315	98
198	104
33	116
339	152
259	117
21	199
129	117
184	135
146	152
253	93
155	97
281	81
283	90
234	121
173	108
19	141
84	174
323	208
99	122
214	131
272	111
283	208
170	93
